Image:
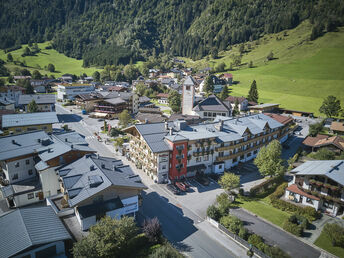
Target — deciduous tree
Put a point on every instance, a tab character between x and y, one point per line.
208	85
174	101
124	118
330	106
229	181
32	107
51	68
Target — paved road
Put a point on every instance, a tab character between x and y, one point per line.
275	236
179	224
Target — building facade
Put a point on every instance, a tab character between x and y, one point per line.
69	91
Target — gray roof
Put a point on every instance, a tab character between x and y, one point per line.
39	118
39	99
333	169
154	135
6	101
264	105
24	228
212	103
190	81
21	144
92	174
115	101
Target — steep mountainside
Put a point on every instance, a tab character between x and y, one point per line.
117	31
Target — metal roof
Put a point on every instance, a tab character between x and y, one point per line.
38	98
24	228
333	169
212	103
14	120
265	105
78	177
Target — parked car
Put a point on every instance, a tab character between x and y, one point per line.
186	184
181	186
173	189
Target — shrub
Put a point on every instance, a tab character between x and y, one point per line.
152	230
243	233
165	251
213	212
299	220
295	229
232	223
255	240
335	233
275	252
266	185
224	203
241	191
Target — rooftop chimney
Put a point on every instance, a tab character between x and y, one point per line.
171	131
114	167
166	126
66	140
92	167
14	141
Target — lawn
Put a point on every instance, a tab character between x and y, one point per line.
302	75
62	63
263	208
324	242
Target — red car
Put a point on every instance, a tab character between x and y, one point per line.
181	186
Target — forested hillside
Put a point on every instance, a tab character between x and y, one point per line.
117	31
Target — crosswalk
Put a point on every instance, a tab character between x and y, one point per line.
91	137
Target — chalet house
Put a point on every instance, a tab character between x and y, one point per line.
98	186
153	73
174	150
318	184
88	98
66	78
150	117
45	102
28	122
242	102
27	161
163	98
33	232
228	77
333	143
337	127
144	101
211	107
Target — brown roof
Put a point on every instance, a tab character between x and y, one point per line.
116	88
162	95
337	126
293	188
279	118
323	140
232	99
227	75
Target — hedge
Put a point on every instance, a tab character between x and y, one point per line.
265	185
295	229
309	212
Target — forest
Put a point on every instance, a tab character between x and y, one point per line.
112	32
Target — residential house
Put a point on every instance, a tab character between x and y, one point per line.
69	91
12	92
33	232
318	184
150	117
7	103
66	78
203	148
153	73
88	99
242	102
266	107
19	123
21	77
144	101
337	127
333	143
28	161
190	120
98	186
45	102
228	77
211	107
163	98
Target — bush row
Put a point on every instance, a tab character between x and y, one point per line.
266	185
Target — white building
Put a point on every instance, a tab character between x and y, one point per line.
188	96
69	91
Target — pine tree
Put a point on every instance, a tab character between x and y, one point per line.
224	93
209	85
32	107
253	93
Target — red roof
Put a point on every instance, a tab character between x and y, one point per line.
279	118
116	88
293	188
227	75
162	95
323	140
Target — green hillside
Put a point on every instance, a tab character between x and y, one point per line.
302	75
62	63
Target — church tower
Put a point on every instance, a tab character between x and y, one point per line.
188	97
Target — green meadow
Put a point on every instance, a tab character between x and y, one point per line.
302	74
62	63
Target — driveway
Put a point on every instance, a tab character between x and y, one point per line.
275	236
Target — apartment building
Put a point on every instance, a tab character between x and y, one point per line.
205	148
319	184
68	91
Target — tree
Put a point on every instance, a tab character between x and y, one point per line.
208	85
124	118
236	108
27	85
316	128
330	106
270	56
323	154
36	75
9	57
335	233
223	203
27	52
174	101
140	89
250	64
220	67
214	53
96	76
2	82
32	107
253	93
213	212
165	251
108	238
152	230
51	68
229	181
269	161
224	93
10	78
130	72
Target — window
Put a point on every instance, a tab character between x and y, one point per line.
187	87
198	159
249	154
16	165
30	172
206	158
214	114
328	205
30	196
27	162
308	200
221	154
15	177
220	166
180	147
163	166
223	114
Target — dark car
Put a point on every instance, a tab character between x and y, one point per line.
203	180
173	189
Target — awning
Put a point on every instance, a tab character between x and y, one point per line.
100	114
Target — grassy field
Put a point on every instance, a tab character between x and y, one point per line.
263	208
302	74
325	243
62	63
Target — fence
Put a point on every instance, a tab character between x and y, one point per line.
238	239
